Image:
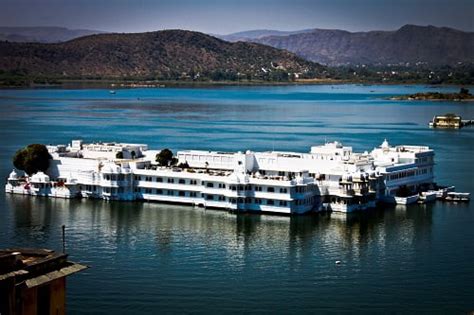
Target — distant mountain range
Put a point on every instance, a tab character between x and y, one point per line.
42	34
169	54
257	34
409	44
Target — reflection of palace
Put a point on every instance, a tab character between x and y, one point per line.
330	176
239	238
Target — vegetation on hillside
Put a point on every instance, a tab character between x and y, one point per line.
160	56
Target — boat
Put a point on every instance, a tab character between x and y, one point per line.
457	196
112	92
427	196
406	200
442	192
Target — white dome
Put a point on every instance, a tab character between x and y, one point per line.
13	175
40	177
385	144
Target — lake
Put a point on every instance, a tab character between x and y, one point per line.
153	258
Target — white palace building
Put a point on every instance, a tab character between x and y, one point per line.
329	177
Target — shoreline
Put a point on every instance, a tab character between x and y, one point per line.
114	84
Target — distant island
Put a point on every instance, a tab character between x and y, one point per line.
462	95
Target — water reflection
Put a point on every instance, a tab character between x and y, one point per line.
168	228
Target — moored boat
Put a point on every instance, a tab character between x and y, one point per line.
427	196
406	200
456	196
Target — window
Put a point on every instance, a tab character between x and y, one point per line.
258	188
192	194
210	185
270	189
210	197
193	182
159	179
182	181
282	203
159	192
170	180
270	202
283	190
170	192
181	193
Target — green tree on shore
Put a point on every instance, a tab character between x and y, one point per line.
32	159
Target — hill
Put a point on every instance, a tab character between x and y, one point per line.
42	34
256	34
409	44
170	54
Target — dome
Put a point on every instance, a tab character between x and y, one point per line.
385	144
40	177
13	175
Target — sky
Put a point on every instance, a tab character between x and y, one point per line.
228	16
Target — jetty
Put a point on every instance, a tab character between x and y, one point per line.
33	281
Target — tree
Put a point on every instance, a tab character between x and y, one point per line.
464	91
183	165
32	159
165	158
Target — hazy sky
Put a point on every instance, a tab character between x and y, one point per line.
226	16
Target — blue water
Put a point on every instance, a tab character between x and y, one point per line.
152	258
